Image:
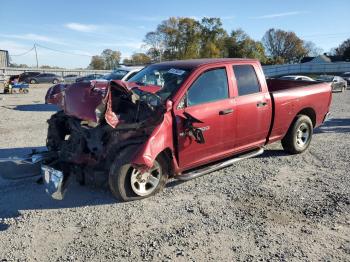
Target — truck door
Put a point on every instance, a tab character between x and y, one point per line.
253	108
208	100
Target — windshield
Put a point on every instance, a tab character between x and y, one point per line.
116	75
168	78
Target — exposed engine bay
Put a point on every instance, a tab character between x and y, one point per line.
84	146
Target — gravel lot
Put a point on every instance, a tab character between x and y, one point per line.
273	207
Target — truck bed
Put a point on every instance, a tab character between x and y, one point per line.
290	98
275	85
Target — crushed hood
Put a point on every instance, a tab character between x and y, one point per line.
93	100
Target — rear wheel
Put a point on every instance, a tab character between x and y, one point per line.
33	81
55	81
128	183
299	135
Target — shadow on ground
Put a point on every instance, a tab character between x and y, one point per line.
19	152
27	194
334	125
34	108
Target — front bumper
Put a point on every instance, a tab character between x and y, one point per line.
55	182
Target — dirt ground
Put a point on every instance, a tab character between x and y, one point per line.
273	207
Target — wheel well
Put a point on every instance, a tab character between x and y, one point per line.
167	154
310	113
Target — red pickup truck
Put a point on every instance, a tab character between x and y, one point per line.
179	119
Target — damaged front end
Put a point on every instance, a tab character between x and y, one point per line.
97	121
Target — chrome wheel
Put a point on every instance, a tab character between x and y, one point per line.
144	183
303	134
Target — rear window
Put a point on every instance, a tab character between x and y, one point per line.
247	81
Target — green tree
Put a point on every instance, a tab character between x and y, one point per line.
138	59
212	37
111	58
284	46
97	62
174	38
239	44
188	38
155	43
344	49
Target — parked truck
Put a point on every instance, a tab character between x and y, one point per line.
179	119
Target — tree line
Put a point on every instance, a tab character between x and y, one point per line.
180	38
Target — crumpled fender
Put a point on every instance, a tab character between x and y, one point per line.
160	139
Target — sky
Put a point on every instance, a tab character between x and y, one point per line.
68	33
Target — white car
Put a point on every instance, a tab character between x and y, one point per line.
297	78
123	73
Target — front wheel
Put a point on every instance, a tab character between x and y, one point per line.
299	135
33	81
128	183
55	81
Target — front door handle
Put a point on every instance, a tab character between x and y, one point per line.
226	112
261	104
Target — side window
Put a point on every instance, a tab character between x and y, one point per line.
247	82
209	87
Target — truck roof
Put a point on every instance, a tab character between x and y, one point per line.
192	63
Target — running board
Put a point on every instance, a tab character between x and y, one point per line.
209	169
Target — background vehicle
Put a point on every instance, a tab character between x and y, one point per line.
70	78
24	76
297	78
338	83
122	74
346	76
45	78
180	119
88	78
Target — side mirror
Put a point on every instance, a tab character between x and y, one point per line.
192	131
197	134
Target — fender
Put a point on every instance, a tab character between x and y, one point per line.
160	139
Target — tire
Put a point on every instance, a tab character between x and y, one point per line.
122	177
299	135
32	81
55	81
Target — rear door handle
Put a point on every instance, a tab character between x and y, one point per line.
226	112
261	104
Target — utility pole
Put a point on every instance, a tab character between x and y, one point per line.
36	56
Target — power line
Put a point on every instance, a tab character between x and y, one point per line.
63	52
24	52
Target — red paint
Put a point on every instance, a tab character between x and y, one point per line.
248	127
